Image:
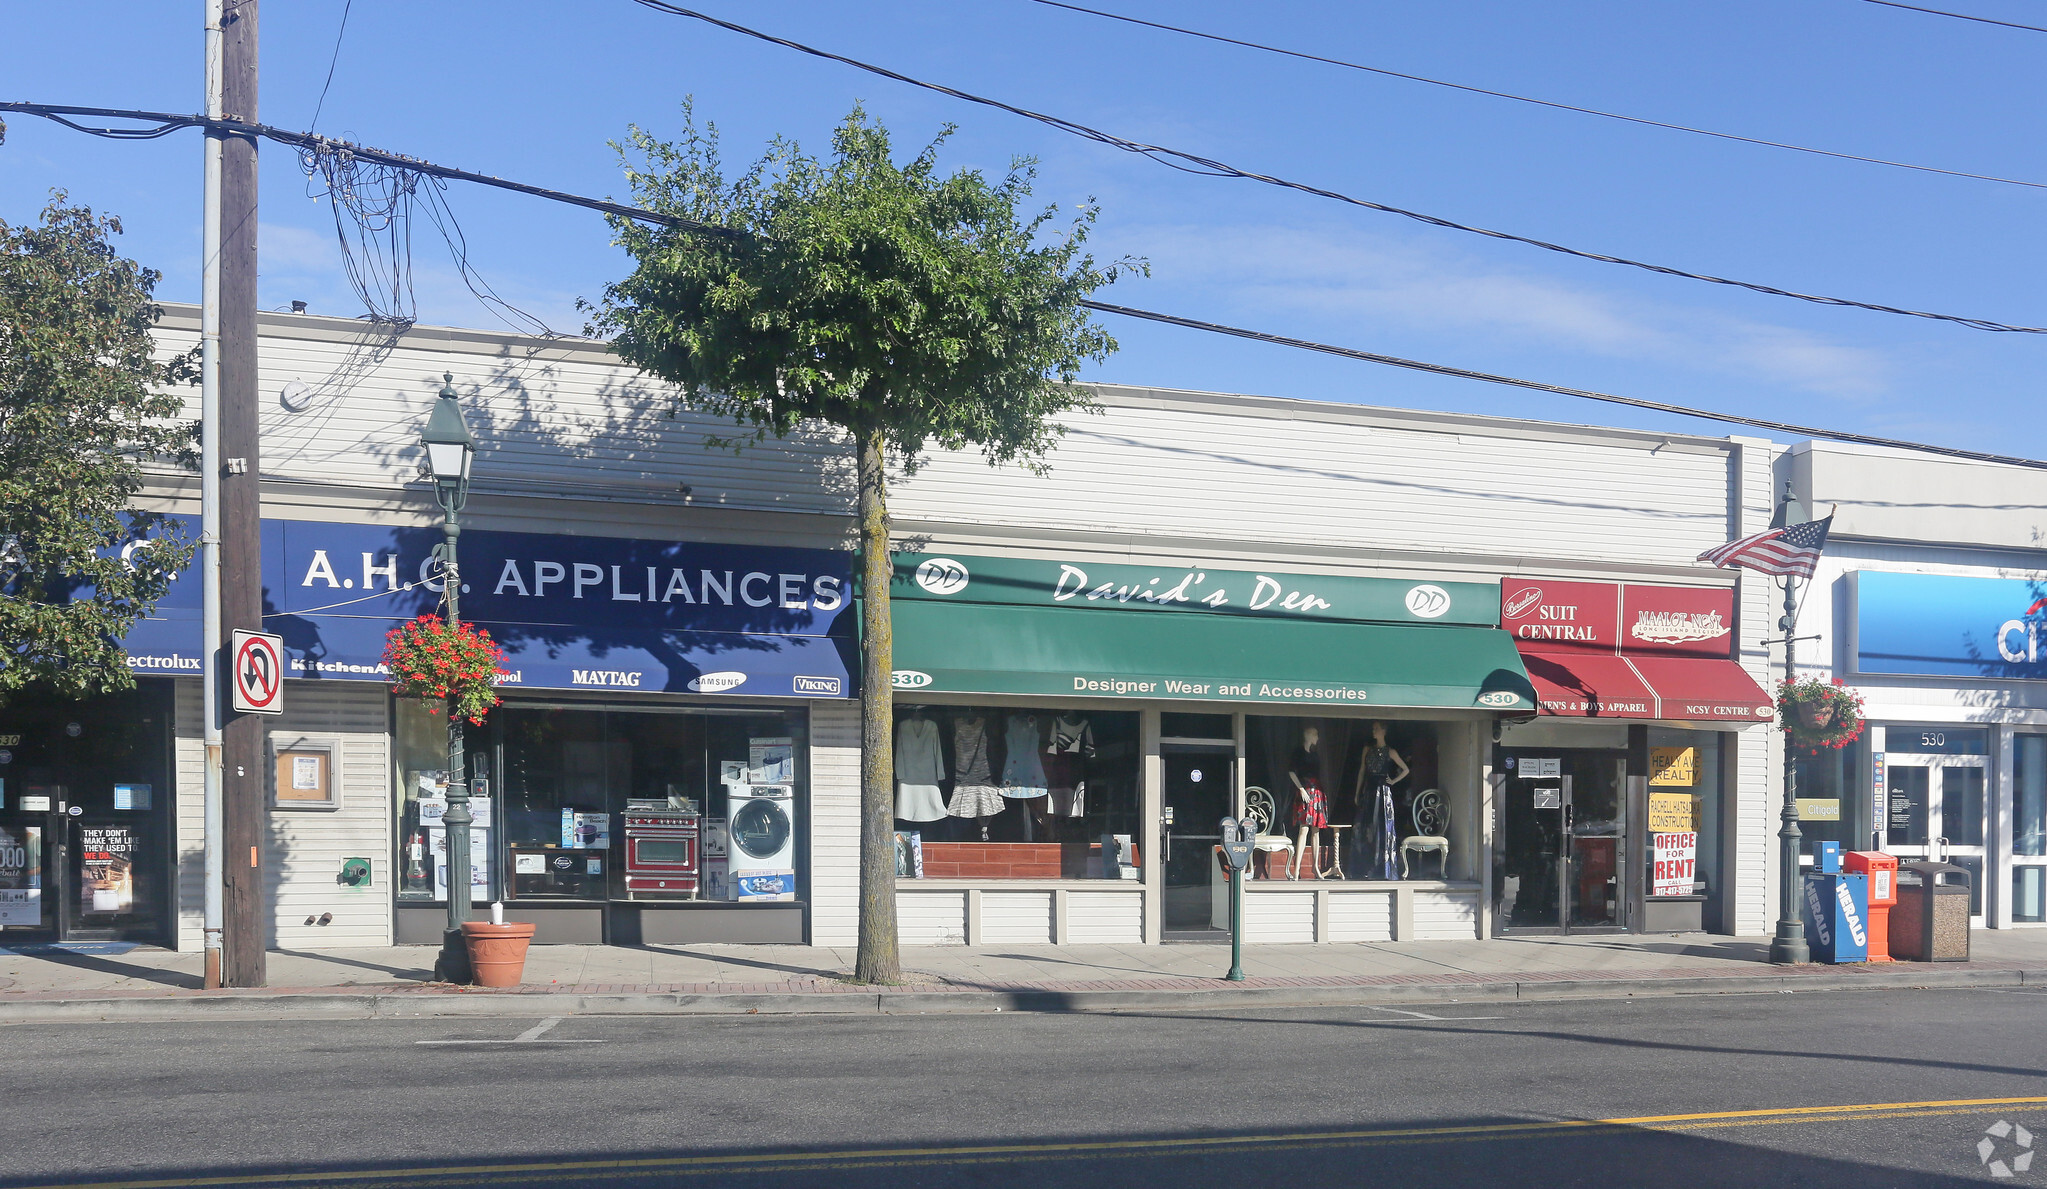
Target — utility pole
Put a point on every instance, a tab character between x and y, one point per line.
209	495
1789	947
241	580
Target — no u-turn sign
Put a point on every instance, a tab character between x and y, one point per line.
256	670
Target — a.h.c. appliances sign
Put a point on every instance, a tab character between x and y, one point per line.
1948	625
571	612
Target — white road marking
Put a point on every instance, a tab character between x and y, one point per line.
1422	1015
532	1036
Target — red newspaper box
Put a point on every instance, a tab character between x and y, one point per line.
1882	870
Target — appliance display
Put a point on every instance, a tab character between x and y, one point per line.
661	850
761	843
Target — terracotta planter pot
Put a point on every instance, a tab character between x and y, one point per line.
497	953
1817	716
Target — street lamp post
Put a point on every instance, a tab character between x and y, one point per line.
1788	946
449	451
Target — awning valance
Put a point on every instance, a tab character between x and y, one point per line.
1632	685
993	649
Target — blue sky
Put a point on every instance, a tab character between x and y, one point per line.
534	90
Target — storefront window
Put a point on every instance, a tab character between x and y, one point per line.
420	760
2029	828
724	794
1355	799
1684	798
1831	803
1012	793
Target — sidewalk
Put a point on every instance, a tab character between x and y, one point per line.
92	981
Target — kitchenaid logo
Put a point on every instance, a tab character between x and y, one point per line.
716	683
1266	593
942	576
1677	627
605	677
1521	604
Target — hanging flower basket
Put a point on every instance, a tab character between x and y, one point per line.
1819	714
458	665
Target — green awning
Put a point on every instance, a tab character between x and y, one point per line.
1075	652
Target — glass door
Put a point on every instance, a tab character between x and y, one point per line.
1564	852
1936	810
1196	797
2028	843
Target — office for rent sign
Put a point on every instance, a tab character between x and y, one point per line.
1674	863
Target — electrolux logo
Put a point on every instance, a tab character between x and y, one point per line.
942	576
825	687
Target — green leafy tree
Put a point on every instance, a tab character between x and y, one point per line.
905	307
79	414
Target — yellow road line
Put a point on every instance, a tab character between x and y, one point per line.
1022	1152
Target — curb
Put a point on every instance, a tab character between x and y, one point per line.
405	1005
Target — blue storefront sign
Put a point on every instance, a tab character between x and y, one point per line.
1944	625
571	612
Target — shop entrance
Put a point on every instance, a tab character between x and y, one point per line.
1935	807
1564	841
1197	795
85	847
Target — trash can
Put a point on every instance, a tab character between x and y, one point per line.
1882	870
1931	920
1837	916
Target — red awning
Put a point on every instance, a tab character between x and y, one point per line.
1696	690
1588	685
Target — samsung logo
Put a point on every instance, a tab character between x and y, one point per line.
605	677
717	683
828	687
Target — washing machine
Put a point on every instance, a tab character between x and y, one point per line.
760	853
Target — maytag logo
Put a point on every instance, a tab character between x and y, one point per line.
603	677
717	683
909	679
1523	603
1428	602
942	576
828	687
1500	697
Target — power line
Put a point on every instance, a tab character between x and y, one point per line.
1550	103
1587	394
1192	163
1960	16
666	220
331	63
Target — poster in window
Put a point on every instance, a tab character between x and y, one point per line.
479	861
1673	812
21	875
1673	767
771	760
910	854
1674	863
132	796
106	863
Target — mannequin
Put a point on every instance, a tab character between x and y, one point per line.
1381	769
1311	805
974	794
920	769
1023	772
1067	752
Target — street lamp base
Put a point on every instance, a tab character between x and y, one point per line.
451	965
1788	948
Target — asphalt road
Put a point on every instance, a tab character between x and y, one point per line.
1690	1092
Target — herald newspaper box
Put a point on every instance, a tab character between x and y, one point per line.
1882	870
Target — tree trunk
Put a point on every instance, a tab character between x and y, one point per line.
879	959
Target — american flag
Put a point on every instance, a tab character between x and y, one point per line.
1792	551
